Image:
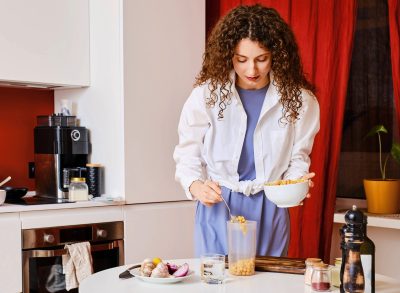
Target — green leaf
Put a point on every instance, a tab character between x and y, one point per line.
395	151
376	129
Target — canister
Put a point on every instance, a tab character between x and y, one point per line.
94	178
309	269
242	241
336	272
78	190
321	277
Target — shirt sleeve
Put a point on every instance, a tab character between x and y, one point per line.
305	130
193	124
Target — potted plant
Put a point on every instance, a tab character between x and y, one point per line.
383	194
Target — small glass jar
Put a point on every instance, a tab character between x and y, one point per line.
336	272
309	269
78	189
321	278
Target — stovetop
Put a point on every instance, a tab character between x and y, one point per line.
35	200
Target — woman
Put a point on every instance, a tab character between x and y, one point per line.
251	118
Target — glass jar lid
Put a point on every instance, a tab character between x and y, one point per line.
93	165
320	266
310	261
78	179
338	261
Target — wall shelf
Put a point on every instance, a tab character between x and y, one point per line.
391	221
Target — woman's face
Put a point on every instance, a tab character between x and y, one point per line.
252	64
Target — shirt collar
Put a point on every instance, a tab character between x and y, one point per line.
272	96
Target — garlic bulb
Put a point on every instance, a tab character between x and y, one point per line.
161	271
147	267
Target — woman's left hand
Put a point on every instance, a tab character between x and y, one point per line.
310	183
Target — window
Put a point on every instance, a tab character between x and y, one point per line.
369	102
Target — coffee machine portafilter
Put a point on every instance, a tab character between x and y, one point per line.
59	144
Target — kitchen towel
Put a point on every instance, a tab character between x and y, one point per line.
77	264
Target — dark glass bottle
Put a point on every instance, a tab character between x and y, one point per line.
367	251
353	275
342	232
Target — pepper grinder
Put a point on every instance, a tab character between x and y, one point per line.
353	275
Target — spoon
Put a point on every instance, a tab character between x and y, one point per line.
229	210
5	180
127	274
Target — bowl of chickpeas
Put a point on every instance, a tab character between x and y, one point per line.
286	193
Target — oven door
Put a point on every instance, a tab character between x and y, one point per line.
43	272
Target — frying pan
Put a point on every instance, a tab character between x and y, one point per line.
14	194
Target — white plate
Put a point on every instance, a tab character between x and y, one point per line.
169	280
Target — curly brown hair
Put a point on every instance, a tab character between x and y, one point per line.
265	26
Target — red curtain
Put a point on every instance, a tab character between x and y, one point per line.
217	8
324	31
394	31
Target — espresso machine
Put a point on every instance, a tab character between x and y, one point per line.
61	151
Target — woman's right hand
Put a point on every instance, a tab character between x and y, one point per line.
207	192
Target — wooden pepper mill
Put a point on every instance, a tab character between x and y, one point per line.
353	275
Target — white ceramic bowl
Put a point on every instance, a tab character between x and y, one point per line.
2	196
287	195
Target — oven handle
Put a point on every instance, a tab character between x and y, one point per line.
60	252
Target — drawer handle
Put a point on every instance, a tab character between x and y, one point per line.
60	252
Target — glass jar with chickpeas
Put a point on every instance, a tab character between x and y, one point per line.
241	246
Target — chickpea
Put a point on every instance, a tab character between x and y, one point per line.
242	222
243	267
285	182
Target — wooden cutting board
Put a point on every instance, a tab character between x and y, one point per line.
280	264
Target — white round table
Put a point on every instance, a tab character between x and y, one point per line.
107	281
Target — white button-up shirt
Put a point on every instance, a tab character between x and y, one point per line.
210	148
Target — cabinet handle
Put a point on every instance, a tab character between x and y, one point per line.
49	238
101	233
60	252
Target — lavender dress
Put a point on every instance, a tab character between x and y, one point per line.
273	224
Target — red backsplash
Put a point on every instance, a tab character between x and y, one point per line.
19	108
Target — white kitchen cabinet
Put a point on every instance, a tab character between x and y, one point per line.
10	253
100	106
69	217
45	42
163	46
159	230
12	223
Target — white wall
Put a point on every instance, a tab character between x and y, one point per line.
100	107
163	46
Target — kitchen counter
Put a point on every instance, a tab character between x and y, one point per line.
108	281
15	208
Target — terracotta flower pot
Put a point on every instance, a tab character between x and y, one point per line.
383	196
